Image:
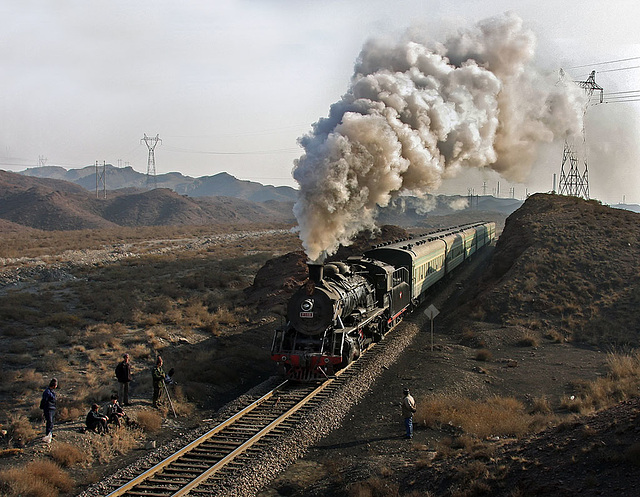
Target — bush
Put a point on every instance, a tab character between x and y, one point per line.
149	421
20	430
373	487
67	455
496	416
528	340
119	442
38	478
484	355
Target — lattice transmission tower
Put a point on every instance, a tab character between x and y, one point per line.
151	162
101	179
572	181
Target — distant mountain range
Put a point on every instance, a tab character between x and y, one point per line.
53	198
55	204
118	178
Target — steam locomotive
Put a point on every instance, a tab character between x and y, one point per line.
345	306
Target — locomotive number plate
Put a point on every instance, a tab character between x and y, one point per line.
306	314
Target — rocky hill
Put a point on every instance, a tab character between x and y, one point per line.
52	204
221	184
569	267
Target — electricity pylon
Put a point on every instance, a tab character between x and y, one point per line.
151	162
573	182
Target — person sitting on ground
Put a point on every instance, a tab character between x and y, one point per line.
115	413
96	421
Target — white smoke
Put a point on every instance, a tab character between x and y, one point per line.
416	114
424	205
458	204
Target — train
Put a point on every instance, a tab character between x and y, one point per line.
345	306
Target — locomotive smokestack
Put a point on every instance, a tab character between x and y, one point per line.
316	271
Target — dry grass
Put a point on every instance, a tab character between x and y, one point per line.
528	340
39	478
484	355
621	383
20	431
67	455
495	416
118	442
373	487
150	422
540	405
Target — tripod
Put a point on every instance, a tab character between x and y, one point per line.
166	390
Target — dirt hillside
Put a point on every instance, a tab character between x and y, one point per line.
531	334
568	266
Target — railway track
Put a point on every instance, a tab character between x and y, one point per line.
211	464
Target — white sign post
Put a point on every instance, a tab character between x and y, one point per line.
431	312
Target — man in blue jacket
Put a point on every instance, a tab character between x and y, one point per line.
48	406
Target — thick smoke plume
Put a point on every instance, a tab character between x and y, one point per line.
417	113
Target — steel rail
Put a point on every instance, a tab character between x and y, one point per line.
187	448
240	449
246	445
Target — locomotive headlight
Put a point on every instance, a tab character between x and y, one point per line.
326	360
307	305
283	358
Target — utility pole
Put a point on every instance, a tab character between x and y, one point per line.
151	162
573	182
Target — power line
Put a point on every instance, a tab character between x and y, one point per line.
621	101
214	152
603	63
619	69
620	92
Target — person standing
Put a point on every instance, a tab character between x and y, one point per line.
408	408
48	406
123	373
158	381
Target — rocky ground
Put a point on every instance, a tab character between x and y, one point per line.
370	442
14	271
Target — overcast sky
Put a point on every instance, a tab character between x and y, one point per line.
231	85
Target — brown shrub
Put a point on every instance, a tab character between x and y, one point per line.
555	336
484	355
20	430
67	455
528	340
496	416
20	380
38	478
373	487
149	421
473	471
540	405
